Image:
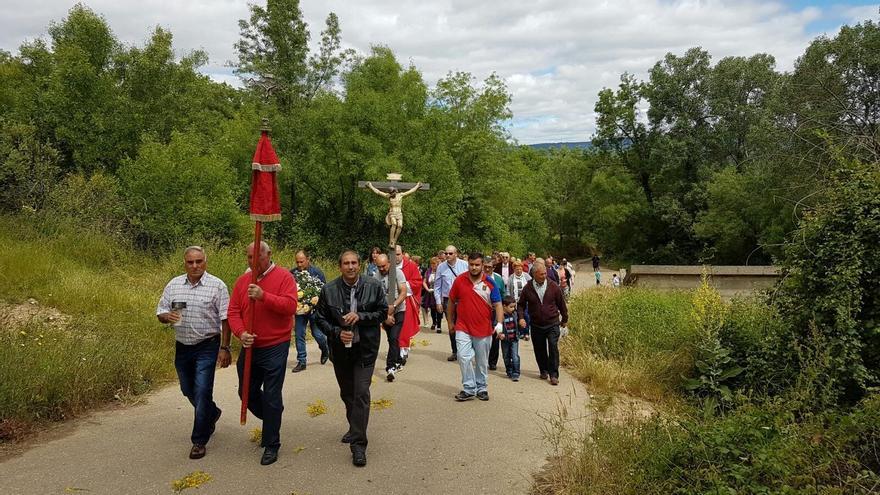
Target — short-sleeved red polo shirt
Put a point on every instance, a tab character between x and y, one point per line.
474	305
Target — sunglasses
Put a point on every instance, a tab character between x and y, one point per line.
449	253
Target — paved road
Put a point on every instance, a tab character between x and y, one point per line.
425	443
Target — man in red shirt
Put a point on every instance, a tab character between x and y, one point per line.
273	298
472	299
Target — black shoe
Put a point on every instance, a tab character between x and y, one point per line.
325	355
463	396
544	375
299	367
270	455
214	423
390	375
197	451
452	357
484	396
346	438
493	367
359	458
438	330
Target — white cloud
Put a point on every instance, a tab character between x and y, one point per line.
554	55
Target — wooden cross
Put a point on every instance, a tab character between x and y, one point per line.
394	219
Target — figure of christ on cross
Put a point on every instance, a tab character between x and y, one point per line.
394	218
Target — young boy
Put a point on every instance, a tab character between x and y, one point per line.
508	339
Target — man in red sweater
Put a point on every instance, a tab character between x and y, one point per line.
273	298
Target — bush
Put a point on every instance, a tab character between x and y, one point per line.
754	333
831	286
177	191
89	202
758	448
28	168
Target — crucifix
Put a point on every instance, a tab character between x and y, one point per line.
394	219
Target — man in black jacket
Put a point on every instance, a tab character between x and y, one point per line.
349	311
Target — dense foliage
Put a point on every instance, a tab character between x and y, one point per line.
703	161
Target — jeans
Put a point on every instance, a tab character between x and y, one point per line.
546	344
195	368
267	378
510	350
300	332
393	333
473	358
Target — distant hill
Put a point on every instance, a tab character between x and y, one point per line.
584	145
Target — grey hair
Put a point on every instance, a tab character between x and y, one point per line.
264	247
195	248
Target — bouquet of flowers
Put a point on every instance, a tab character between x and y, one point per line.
309	288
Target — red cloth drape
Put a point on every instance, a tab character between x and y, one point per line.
412	320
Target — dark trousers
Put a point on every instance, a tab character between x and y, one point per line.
436	317
493	351
267	378
195	366
354	389
451	325
524	332
393	333
546	343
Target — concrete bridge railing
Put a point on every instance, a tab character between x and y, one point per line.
728	280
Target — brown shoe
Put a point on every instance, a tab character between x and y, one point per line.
197	451
554	380
544	375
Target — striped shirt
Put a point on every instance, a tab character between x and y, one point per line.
206	304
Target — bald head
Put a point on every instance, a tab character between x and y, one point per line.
382	263
451	254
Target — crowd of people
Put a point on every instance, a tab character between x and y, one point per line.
490	303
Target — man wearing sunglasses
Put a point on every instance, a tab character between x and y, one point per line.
447	271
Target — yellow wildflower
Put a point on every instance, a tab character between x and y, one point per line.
316	408
380	404
194	479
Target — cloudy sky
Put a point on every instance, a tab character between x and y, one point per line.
554	55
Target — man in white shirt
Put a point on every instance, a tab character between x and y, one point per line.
446	274
196	304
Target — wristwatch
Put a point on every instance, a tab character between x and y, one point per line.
224	348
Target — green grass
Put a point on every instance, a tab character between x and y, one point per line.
642	343
634	341
112	346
